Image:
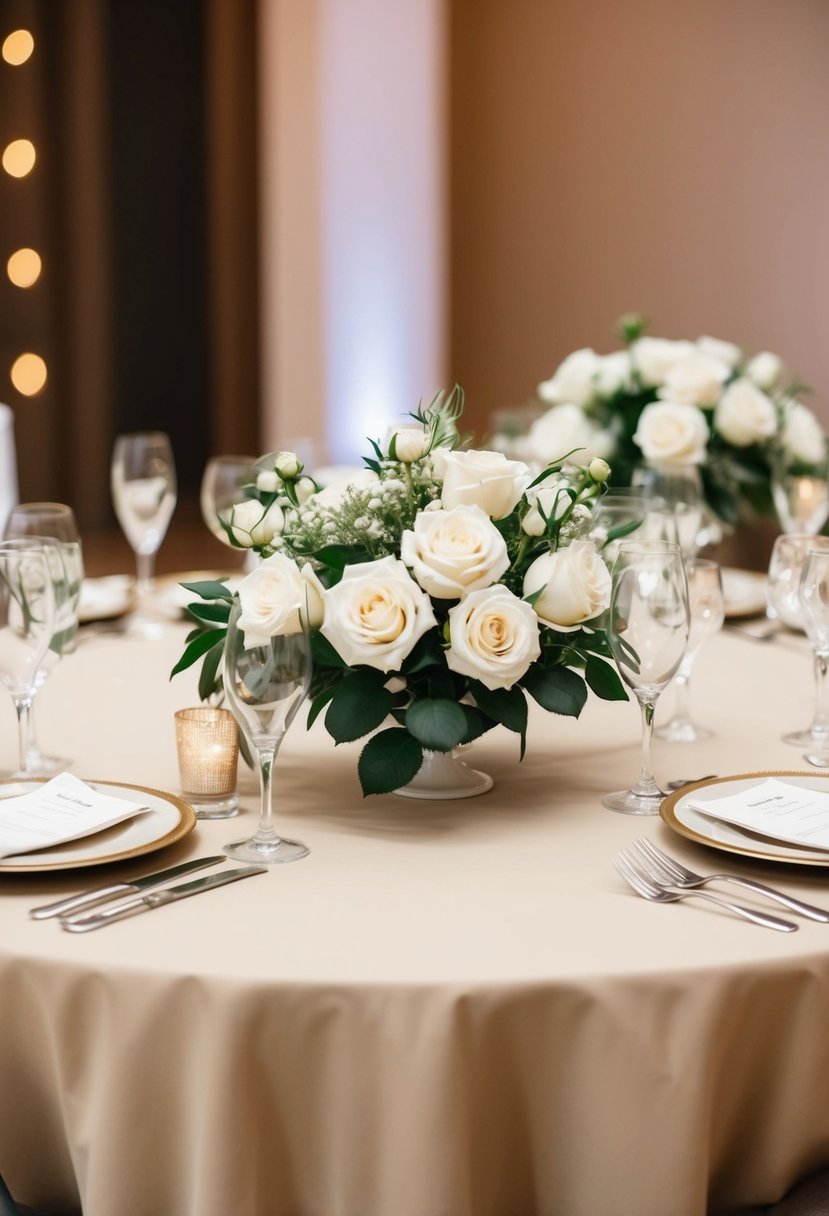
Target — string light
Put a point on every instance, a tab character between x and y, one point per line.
24	267
28	374
19	157
18	47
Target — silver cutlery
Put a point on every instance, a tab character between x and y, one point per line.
99	894
83	922
682	781
661	893
668	869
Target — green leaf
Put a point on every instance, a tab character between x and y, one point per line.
210	589
198	647
323	653
210	666
390	759
318	705
622	530
506	705
477	723
557	689
340	556
360	703
210	612
438	724
427	652
604	680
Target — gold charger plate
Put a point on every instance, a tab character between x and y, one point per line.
168	820
684	819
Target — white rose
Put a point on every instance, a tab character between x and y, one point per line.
268	481
566	428
614	374
314	595
493	637
671	432
573	380
744	415
305	488
252	525
802	436
408	444
547	501
653	358
696	380
482	479
287	465
453	552
726	352
765	369
576	585
271	596
375	614
599	469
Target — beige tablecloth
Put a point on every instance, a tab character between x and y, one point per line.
448	1009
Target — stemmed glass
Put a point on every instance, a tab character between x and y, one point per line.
785	569
54	523
265	686
27	621
678	515
648	624
813	590
620	513
143	479
800	493
222	486
707	604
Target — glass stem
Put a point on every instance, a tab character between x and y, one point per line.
144	568
646	785
265	833
682	686
23	707
821	720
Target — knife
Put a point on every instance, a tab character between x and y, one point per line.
99	894
155	899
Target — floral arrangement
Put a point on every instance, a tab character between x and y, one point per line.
663	402
443	585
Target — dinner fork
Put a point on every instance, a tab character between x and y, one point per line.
630	869
667	868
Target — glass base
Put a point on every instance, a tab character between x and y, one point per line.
214	808
817	759
812	740
683	730
267	852
626	802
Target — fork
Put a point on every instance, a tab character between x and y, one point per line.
667	868
630	869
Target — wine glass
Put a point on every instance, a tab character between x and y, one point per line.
813	591
143	479
265	686
800	493
707	605
27	620
678	515
222	487
785	568
648	624
53	522
619	513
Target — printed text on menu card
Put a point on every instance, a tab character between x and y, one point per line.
775	808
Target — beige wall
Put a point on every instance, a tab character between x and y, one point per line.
663	156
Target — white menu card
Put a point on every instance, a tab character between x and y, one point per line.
774	808
62	809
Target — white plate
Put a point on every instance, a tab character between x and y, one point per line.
103	599
683	818
168	820
744	592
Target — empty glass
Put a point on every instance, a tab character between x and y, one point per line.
143	479
222	488
618	514
265	686
27	621
814	599
678	515
800	493
707	603
648	624
785	568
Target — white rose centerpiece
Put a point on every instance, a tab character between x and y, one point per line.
441	586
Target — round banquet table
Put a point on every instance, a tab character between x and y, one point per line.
447	1009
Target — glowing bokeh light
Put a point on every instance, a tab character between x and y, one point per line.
18	47
19	157
24	267
28	374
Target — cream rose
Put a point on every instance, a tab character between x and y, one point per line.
408	444
375	614
653	358
493	637
765	369
547	501
726	352
453	552
671	432
802	436
271	597
744	415
566	429
576	586
252	525
482	479
696	380
614	373
573	380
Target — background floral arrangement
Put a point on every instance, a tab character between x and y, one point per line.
442	585
658	401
